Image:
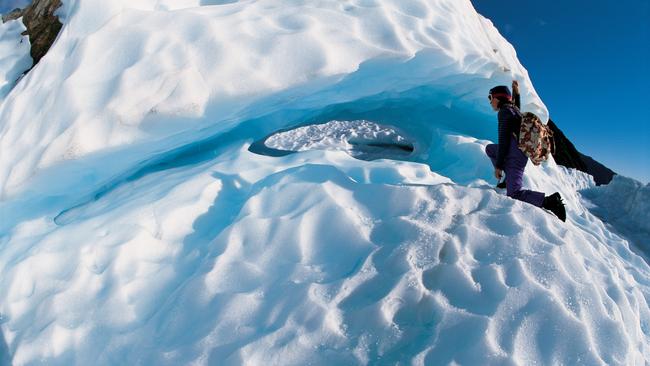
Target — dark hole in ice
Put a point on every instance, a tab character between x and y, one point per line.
361	139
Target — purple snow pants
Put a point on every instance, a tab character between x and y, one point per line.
514	168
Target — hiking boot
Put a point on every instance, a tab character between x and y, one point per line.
554	204
502	185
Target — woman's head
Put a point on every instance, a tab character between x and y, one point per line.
499	94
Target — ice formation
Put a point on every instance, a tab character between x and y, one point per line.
137	227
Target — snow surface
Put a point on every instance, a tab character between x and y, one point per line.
625	204
137	227
361	139
14	54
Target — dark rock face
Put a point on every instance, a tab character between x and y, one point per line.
602	174
567	155
14	14
41	23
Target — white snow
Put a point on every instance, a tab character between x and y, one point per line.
14	54
362	139
136	227
625	204
119	83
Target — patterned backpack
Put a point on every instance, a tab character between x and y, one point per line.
535	138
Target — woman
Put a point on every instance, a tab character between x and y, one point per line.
506	156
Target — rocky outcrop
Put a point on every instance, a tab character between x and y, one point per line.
602	174
41	23
567	155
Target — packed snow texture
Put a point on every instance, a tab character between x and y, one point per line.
14	55
361	139
137	227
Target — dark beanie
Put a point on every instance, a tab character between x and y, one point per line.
501	92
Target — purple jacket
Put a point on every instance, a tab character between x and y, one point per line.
509	123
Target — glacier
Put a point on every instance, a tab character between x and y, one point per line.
144	221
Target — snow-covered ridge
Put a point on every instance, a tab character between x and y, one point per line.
137	227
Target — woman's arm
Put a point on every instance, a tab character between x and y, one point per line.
515	93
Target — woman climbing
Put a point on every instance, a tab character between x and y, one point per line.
507	157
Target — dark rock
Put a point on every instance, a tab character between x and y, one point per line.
602	174
565	152
14	14
567	155
41	23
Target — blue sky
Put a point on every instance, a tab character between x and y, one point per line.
9	5
590	63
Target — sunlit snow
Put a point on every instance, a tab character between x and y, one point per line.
138	227
361	139
14	55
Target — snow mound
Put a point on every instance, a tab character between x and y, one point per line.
361	139
320	258
137	227
120	84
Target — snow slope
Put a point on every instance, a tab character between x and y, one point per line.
625	204
138	227
14	55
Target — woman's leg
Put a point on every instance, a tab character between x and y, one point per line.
491	151
515	165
